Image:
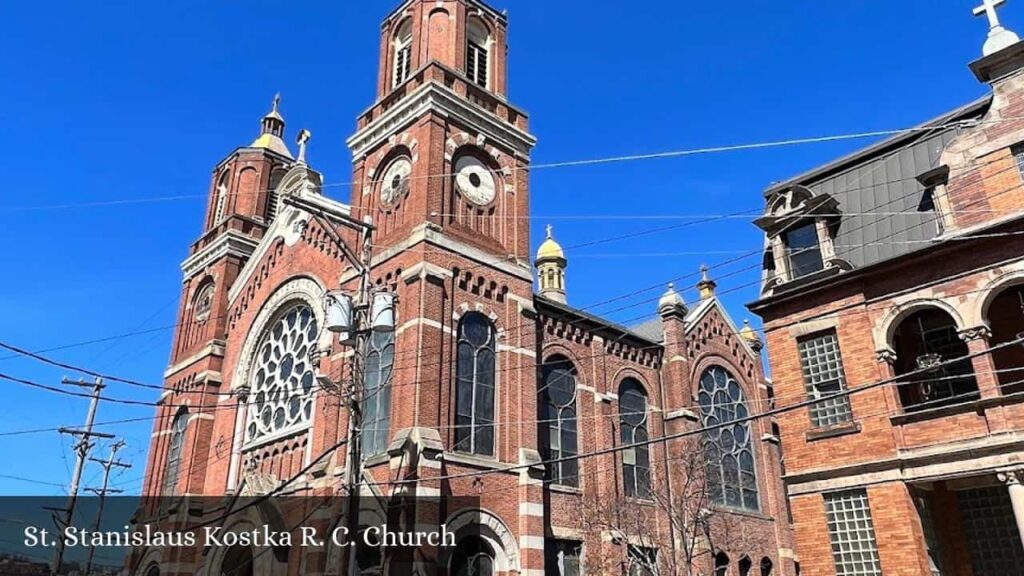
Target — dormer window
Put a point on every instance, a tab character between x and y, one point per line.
478	44
799	225
403	53
802	249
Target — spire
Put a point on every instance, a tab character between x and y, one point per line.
272	130
671	303
706	286
998	36
551	265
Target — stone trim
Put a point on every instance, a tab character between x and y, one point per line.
214	348
808	327
851	427
232	243
433	97
941	462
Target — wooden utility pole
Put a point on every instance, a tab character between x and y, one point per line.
108	465
82	448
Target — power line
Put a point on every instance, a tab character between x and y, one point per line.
583	162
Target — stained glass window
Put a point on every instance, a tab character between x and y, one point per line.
636	461
282	376
474	386
730	454
172	469
559	420
377	392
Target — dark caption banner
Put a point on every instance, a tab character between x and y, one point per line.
237	536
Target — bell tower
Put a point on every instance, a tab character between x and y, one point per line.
440	165
241	206
442	145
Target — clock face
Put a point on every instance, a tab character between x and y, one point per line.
474	180
395	182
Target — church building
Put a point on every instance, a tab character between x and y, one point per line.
893	303
483	383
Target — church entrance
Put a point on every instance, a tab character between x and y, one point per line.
969	526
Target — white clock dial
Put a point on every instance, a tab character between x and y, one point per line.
395	182
474	180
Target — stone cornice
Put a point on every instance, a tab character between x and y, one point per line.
950	460
433	97
231	243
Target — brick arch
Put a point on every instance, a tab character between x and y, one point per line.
885	329
629	372
710	359
993	288
489	526
306	288
150	559
265	513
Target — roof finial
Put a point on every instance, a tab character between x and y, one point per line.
277	100
998	37
549	229
706	286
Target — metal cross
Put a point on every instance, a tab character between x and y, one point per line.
988	7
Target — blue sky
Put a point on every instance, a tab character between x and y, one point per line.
134	100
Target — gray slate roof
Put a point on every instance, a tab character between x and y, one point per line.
882	178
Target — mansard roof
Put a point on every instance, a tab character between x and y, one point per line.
877	192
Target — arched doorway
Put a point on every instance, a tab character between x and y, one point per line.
237	562
1005	316
927	340
472	557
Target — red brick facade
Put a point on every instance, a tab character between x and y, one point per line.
925	460
448	250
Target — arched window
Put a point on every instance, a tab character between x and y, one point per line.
203	302
928	340
173	467
1005	315
474	386
478	43
377	392
153	570
281	386
472	557
730	473
222	199
558	399
636	461
766	566
745	565
721	564
402	53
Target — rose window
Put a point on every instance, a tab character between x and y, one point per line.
281	397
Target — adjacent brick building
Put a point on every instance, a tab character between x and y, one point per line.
483	381
894	292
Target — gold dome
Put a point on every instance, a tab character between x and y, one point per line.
750	335
550	249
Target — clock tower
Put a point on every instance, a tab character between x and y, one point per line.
441	168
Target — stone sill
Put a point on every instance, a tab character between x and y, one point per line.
852	427
564	489
476	461
978	405
743	512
